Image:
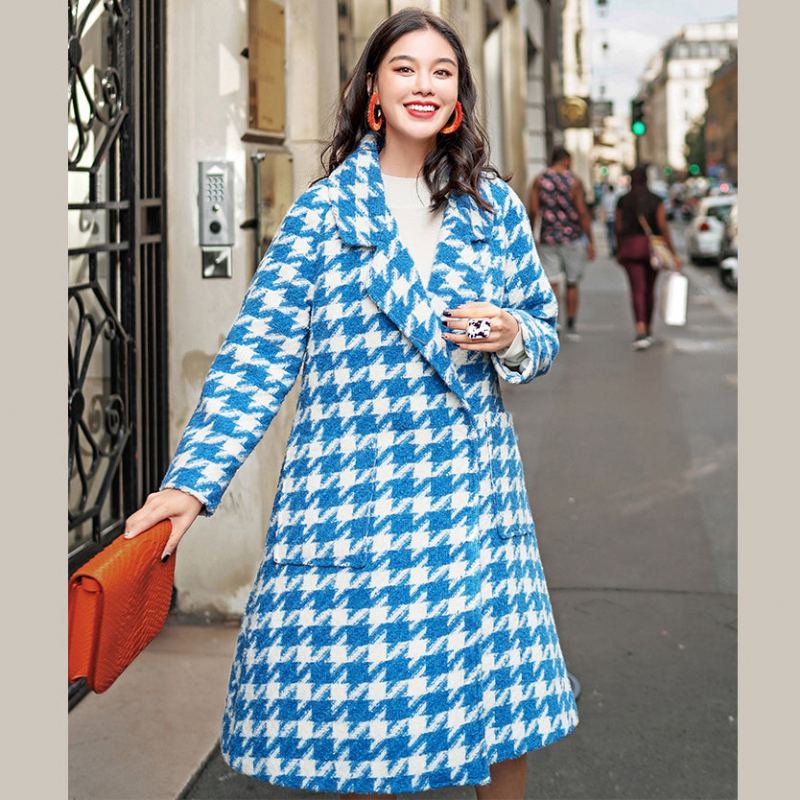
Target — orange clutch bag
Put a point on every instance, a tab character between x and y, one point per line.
118	602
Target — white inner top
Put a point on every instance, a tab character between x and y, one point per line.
408	200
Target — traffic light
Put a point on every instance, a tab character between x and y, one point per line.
694	169
638	124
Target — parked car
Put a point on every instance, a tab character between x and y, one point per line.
729	265
730	237
706	233
717	188
676	200
729	272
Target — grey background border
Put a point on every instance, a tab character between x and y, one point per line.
768	402
34	320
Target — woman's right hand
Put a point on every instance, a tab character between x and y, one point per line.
173	504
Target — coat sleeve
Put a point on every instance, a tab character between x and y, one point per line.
528	296
257	363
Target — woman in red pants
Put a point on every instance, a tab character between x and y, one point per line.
633	250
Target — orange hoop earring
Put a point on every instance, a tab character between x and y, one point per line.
375	121
453	126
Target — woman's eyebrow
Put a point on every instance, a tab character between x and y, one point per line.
411	58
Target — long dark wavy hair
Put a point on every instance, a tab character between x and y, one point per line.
456	162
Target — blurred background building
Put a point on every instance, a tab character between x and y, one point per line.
572	117
673	90
613	152
722	121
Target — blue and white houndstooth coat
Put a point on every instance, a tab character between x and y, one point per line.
399	635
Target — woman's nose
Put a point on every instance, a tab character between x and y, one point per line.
423	84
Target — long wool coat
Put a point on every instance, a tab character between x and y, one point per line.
399	635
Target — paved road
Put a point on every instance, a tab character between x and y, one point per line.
631	468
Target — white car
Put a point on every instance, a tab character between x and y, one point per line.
706	234
729	265
729	272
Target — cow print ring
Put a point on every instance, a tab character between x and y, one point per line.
479	328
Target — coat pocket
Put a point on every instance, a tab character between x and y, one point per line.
323	509
512	510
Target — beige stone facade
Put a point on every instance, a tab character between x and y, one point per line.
674	87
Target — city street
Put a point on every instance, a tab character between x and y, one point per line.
210	181
630	461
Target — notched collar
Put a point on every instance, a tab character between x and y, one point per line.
391	278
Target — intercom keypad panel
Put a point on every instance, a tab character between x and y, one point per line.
216	198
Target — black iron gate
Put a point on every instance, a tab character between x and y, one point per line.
118	434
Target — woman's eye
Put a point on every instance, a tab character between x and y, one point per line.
442	72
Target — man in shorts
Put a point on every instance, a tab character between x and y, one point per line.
557	199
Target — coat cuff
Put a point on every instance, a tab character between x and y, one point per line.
514	354
209	505
521	371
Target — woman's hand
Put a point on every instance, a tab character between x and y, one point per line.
504	326
172	504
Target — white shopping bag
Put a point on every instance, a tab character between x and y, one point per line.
674	291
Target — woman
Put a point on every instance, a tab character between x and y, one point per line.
633	250
398	636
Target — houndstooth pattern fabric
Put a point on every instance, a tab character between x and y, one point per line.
399	635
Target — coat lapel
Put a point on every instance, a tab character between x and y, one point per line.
391	279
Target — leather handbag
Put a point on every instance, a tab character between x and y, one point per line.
660	255
118	602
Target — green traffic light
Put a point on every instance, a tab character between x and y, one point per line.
694	169
638	128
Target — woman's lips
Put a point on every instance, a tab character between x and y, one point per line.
419	114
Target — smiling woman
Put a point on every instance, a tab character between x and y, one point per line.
399	635
413	81
416	87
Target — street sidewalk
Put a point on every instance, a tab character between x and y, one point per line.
630	462
149	734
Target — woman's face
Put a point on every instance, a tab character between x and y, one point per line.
417	85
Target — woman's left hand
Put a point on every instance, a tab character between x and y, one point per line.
504	326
